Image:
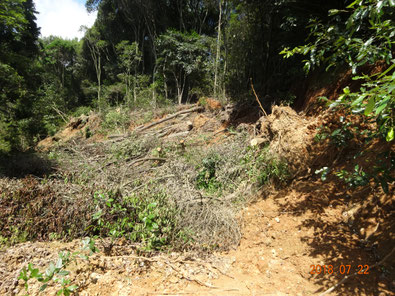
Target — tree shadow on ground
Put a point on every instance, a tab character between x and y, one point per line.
20	165
337	241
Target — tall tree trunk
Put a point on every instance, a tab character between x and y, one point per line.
98	70
218	50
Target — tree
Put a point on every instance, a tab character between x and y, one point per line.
12	18
182	55
256	31
143	21
59	55
130	58
97	49
366	37
60	90
217	56
18	72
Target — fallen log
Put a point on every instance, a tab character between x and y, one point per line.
195	109
181	134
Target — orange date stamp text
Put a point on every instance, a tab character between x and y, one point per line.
342	269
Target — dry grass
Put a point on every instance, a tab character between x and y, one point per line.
203	187
62	205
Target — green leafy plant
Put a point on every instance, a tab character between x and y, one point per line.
115	119
149	219
206	178
324	173
365	38
56	271
265	168
355	178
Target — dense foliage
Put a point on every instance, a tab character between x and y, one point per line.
147	53
18	71
362	37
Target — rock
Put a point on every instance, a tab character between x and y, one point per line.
277	219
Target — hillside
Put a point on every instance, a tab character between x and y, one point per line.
197	147
258	217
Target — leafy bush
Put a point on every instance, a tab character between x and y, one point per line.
206	178
365	38
264	168
339	137
82	110
149	219
5	138
116	119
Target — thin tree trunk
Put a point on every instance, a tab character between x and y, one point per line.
99	82
218	50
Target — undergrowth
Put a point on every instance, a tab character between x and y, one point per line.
263	168
357	137
147	218
181	197
56	273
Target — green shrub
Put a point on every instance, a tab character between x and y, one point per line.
206	178
82	110
264	168
116	119
149	218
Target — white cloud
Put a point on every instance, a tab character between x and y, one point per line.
63	17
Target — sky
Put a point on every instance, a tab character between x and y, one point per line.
63	18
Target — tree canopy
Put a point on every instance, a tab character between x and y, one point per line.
152	52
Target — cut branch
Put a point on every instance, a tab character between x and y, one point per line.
195	109
257	99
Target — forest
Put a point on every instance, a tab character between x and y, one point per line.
150	53
202	147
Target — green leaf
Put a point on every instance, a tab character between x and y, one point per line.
59	263
72	288
333	12
388	70
369	107
84	257
50	270
390	135
35	273
382	105
359	100
63	273
43	287
335	132
353	4
23	275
